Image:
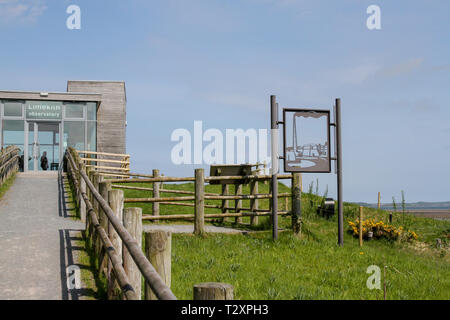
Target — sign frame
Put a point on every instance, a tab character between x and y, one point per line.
329	158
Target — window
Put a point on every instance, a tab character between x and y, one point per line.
74	110
91	110
13	109
13	133
74	134
91	136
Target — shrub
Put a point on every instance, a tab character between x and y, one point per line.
381	230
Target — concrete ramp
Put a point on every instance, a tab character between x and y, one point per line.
35	237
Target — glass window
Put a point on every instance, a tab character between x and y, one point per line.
91	110
13	133
74	110
91	136
74	134
13	109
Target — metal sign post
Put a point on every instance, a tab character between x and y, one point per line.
274	151
337	121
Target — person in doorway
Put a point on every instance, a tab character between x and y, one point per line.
44	161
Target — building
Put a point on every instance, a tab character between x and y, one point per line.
90	116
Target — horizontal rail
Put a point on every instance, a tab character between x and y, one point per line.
160	190
105	160
148	271
128	200
106	167
102	153
212	215
207	179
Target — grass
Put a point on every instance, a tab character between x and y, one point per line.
7	184
312	267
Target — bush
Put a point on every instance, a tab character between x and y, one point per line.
381	230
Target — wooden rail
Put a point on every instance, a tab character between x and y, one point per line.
197	198
9	162
121	165
86	187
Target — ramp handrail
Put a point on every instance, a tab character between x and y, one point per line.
161	290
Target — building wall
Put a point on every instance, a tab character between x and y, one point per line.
111	115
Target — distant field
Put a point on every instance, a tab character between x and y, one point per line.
432	213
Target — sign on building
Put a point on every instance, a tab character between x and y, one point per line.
38	110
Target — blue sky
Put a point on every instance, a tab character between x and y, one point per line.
219	61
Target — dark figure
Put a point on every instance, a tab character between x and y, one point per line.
44	161
21	159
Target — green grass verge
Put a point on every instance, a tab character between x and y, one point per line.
312	267
7	184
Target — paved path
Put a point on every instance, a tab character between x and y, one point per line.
35	235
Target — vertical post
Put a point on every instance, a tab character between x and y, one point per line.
225	203
199	222
115	199
360	232
82	190
390	217
254	202
339	173
98	242
274	151
156	194
379	200
103	188
88	223
296	204
158	249
132	221
238	202
213	291
301	182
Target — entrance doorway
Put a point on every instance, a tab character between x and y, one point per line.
43	137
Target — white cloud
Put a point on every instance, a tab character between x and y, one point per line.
23	11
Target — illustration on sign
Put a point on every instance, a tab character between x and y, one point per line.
306	140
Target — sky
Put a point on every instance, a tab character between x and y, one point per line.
219	61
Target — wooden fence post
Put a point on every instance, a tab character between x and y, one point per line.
98	242
225	203
360	226
88	194
158	250
82	187
296	204
115	199
213	291
238	203
103	188
379	200
199	211
254	202
156	194
132	221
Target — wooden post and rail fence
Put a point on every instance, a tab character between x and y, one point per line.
115	235
197	198
9	162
